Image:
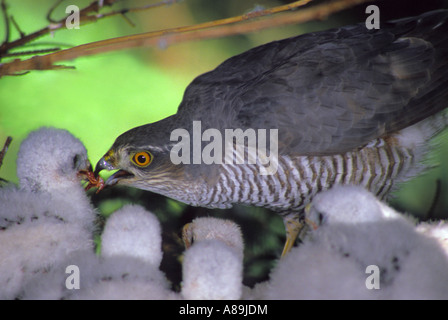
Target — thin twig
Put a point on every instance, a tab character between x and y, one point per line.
126	18
6	19
55	25
51	10
31	52
83	13
21	33
20	73
5	149
85	17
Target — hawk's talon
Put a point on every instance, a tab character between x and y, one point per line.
293	227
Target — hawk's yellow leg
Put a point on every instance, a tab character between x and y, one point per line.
293	227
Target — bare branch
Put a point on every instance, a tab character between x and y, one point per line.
87	15
213	29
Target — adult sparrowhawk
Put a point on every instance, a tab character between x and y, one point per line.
351	106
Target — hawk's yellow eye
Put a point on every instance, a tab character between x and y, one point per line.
142	158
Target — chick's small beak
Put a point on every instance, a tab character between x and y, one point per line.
84	169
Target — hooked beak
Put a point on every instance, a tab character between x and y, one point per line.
105	164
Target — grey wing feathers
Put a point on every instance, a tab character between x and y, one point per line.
332	91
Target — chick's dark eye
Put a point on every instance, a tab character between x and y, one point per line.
142	159
76	160
320	217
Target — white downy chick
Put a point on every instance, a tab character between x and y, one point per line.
313	271
123	278
131	253
356	225
50	162
133	231
208	228
348	205
127	269
437	230
49	215
213	264
85	276
353	230
211	271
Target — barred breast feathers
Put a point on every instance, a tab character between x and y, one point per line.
379	166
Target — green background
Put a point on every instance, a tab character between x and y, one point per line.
110	93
